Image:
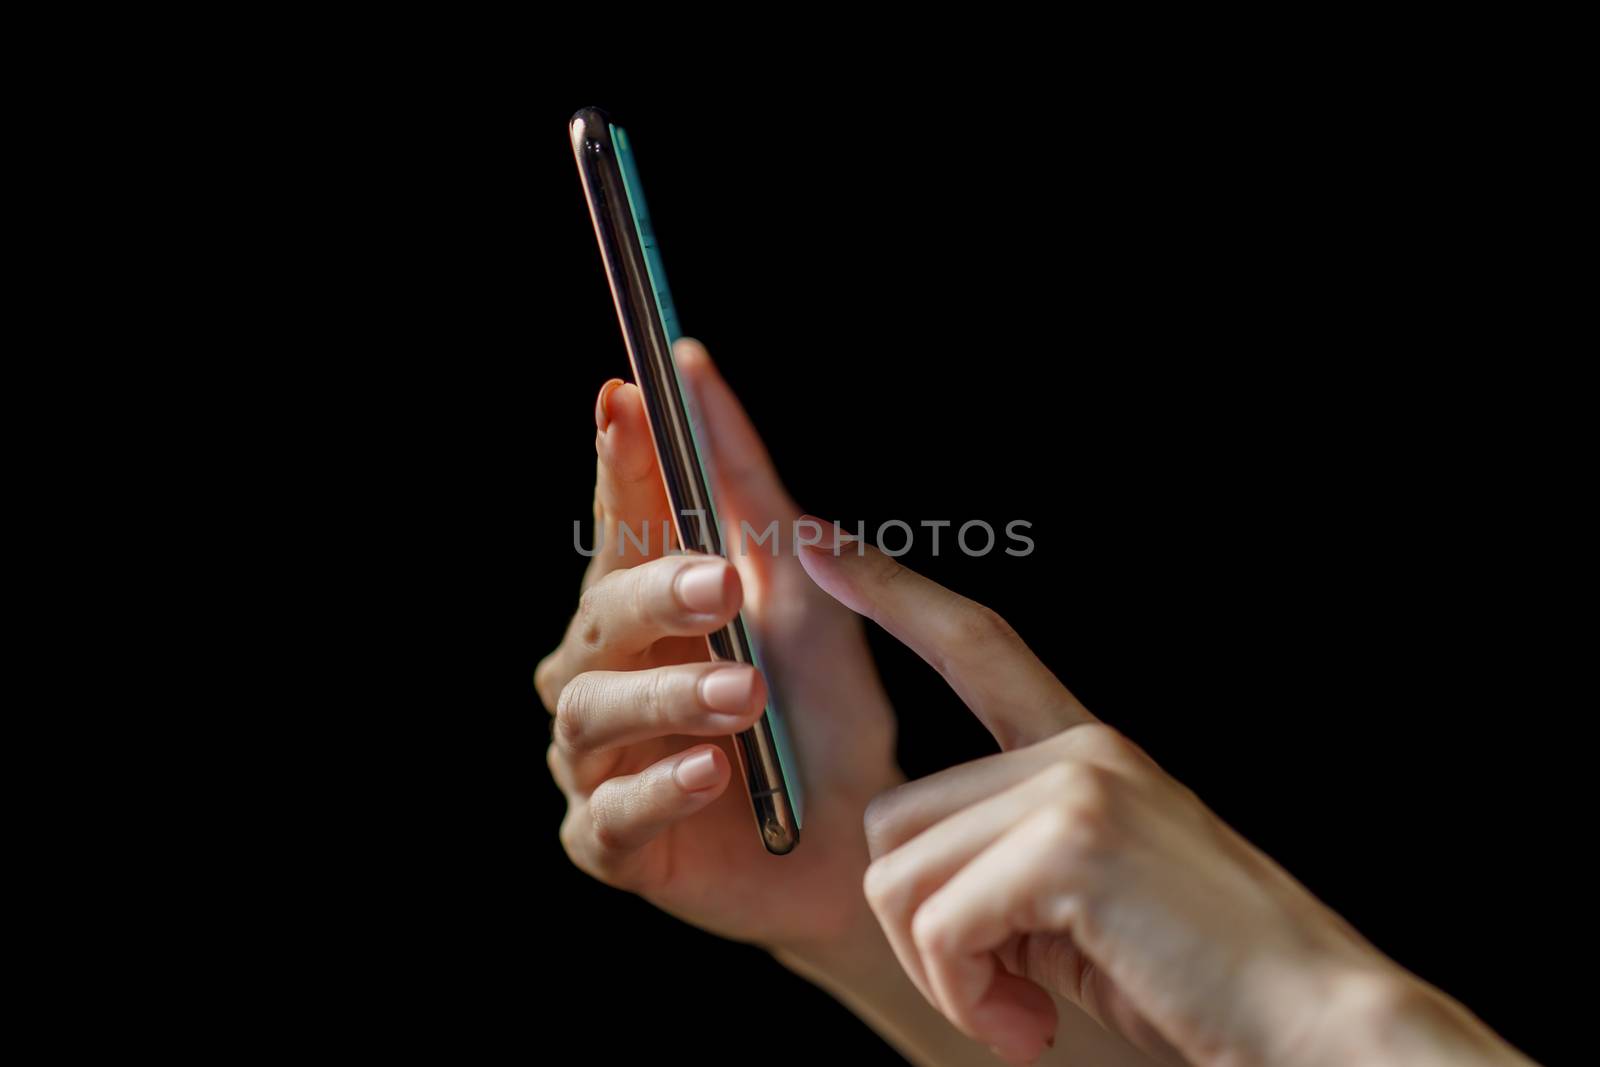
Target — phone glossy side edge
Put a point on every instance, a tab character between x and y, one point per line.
650	354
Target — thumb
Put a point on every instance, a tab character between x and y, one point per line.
747	485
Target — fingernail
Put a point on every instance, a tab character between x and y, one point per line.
697	772
703	587
690	345
602	413
729	690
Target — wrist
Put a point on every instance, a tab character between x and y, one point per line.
1384	1015
863	974
855	957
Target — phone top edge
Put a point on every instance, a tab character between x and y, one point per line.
589	123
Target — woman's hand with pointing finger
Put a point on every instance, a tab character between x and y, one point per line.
1071	865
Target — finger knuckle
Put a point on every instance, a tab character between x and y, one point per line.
572	713
655	691
882	821
1097	742
606	836
930	932
642	583
607	813
1080	816
1023	914
589	624
881	886
970	623
887	569
1059	779
571	837
545	683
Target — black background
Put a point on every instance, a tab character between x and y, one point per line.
1240	365
1282	357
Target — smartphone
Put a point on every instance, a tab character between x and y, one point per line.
649	326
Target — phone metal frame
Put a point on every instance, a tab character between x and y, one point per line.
650	354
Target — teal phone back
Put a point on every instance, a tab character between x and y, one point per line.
669	319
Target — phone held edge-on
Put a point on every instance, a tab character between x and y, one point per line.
650	354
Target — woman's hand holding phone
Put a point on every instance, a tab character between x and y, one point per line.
642	718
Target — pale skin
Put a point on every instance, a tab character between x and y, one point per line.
1064	901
